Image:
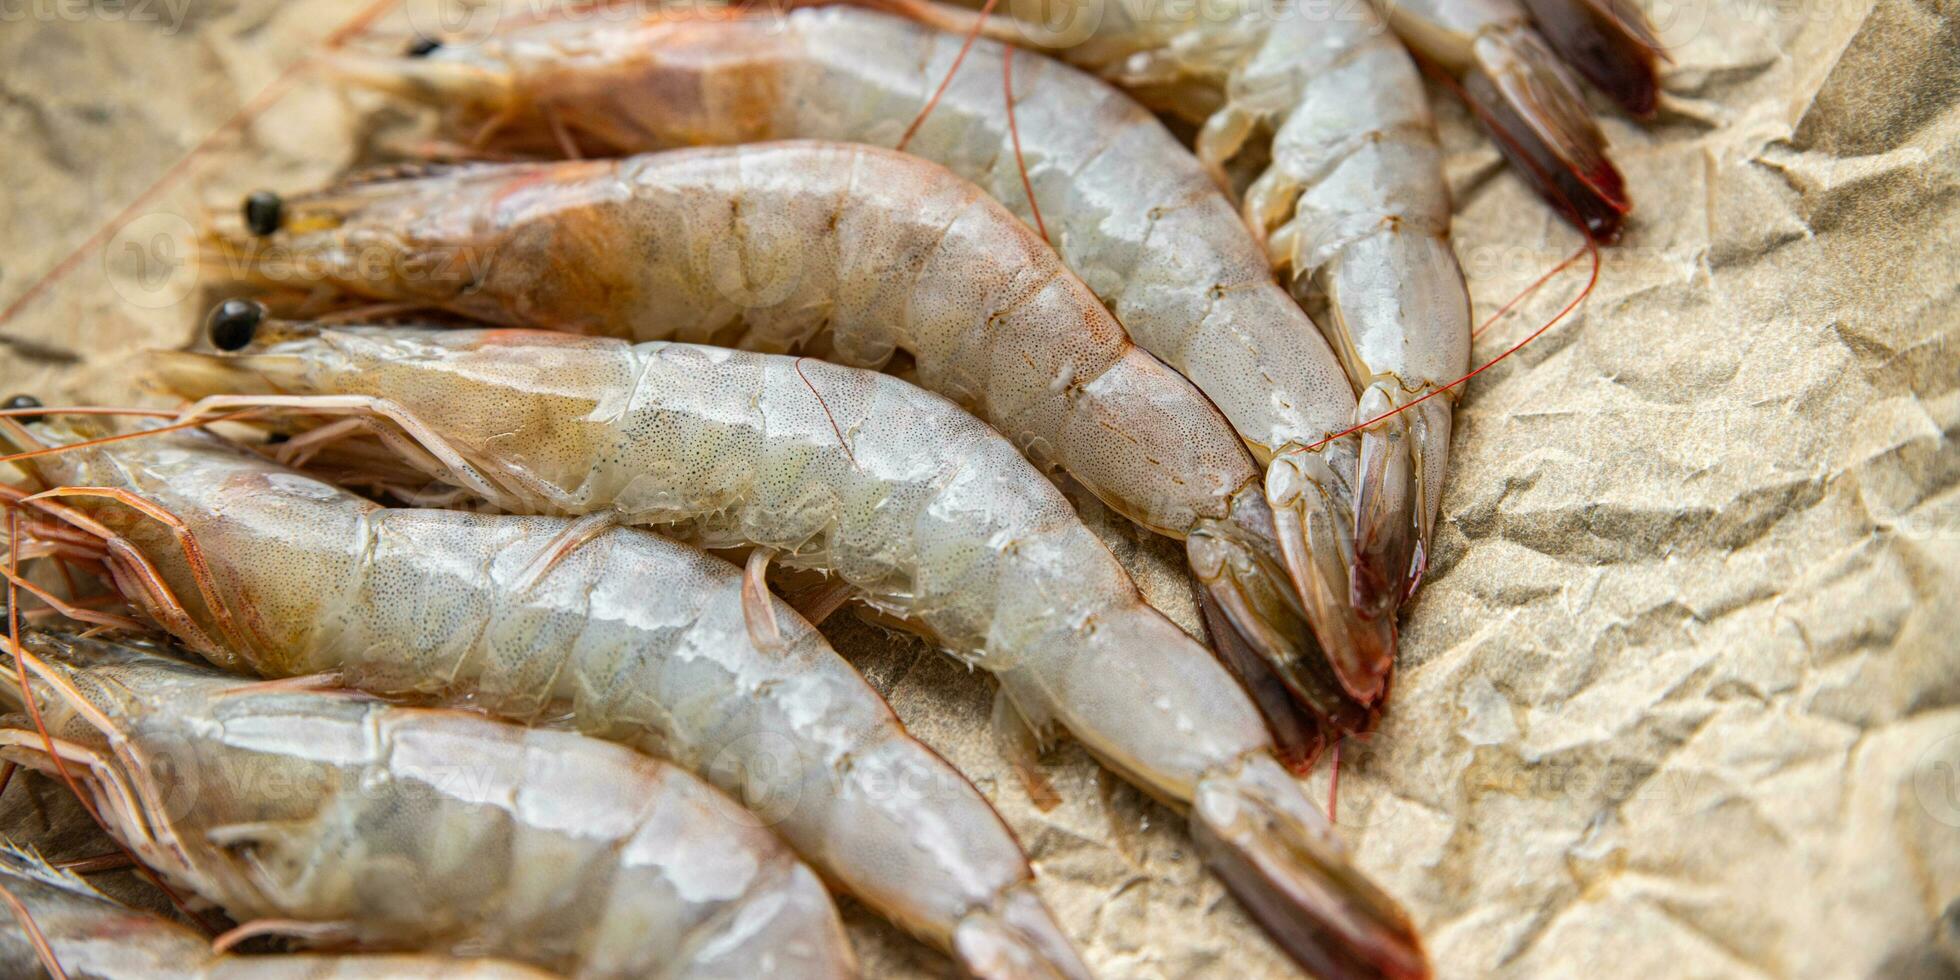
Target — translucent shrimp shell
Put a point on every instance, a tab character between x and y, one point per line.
919	507
622	634
413	829
91	935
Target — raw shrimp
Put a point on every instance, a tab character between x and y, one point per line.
1352	206
1525	96
337	818
625	635
926	513
90	935
1125	205
1231	65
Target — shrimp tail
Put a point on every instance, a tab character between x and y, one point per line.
1384	537
1610	42
1261	631
1311	506
1533	108
1016	939
1403	459
1298	736
1279	855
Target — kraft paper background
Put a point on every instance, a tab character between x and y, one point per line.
1682	694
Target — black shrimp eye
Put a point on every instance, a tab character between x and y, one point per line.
264	212
24	401
233	323
421	46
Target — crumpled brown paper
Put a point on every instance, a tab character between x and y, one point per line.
1682	693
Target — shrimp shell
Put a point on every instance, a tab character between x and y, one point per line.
623	634
1352	206
929	515
413	828
1127	206
1526	97
845	252
94	936
1129	210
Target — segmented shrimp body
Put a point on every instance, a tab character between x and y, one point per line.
625	635
1352	206
1125	205
91	935
923	510
851	253
418	829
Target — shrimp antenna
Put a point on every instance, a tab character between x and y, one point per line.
1590	246
33	410
119	437
1014	133
34	935
972	34
1571	212
22	660
1007	93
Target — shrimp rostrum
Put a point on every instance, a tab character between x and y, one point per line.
881	259
920	509
619	633
340	819
87	934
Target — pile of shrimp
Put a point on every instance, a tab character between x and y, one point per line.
505	495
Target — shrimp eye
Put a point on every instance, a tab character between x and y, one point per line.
233	323
24	401
263	212
421	46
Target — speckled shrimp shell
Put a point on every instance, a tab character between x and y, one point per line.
1124	203
920	508
90	935
423	829
1354	210
625	635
